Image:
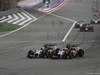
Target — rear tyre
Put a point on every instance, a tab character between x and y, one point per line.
92	29
92	22
81	53
76	25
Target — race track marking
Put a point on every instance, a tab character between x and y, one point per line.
22	18
9	17
50	10
3	18
28	19
20	27
69	29
15	18
68	32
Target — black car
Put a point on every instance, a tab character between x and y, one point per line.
87	28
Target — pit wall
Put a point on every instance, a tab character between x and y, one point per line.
9	12
29	3
55	3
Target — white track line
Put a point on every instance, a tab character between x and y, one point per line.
30	15
2	18
9	17
69	29
29	18
68	32
16	18
22	18
20	27
62	17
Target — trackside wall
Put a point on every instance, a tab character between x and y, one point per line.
11	11
55	3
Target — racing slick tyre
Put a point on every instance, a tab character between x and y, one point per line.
76	25
98	22
70	55
81	53
92	29
81	29
92	22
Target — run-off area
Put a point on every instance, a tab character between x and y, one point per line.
49	28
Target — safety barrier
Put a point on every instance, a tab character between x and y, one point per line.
60	1
56	3
31	4
11	11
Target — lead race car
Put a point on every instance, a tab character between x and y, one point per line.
86	28
79	24
95	1
71	51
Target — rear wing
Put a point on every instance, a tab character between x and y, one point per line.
50	45
72	45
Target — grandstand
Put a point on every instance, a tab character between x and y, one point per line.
8	4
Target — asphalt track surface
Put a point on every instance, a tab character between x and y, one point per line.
49	29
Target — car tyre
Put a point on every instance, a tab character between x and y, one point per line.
81	53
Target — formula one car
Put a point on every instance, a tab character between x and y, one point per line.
79	24
95	1
37	54
98	12
71	51
41	53
87	28
97	15
44	52
95	8
95	21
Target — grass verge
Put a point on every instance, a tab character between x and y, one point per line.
4	27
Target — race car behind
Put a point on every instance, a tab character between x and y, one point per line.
44	52
79	24
95	20
96	15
